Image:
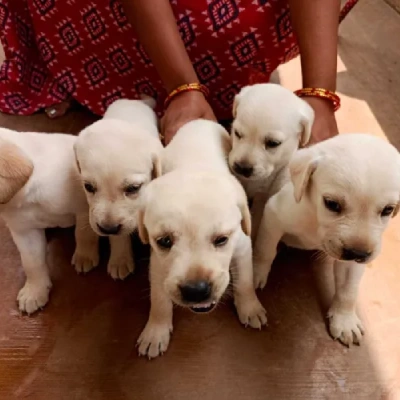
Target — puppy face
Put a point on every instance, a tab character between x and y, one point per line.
116	161
193	223
269	124
15	170
353	183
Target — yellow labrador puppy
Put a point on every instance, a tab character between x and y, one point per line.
117	157
342	194
270	123
197	221
40	188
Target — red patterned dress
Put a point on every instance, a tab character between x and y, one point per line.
87	50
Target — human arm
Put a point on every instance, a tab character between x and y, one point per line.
164	46
316	23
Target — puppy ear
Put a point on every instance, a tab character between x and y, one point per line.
150	101
76	157
143	234
15	170
235	105
307	121
302	166
246	218
243	207
157	170
396	210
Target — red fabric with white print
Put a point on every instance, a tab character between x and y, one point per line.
87	50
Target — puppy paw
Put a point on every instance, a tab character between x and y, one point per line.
345	327
251	312
85	260
154	340
121	267
260	275
33	297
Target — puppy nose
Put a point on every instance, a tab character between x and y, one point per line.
195	291
108	229
243	169
354	254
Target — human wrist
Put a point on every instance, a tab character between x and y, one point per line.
323	96
187	90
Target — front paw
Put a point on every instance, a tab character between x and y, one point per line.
345	327
154	340
32	297
120	267
260	274
85	259
251	312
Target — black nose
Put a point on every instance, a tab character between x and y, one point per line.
195	291
243	169
109	229
354	254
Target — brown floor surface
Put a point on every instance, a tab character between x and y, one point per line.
82	346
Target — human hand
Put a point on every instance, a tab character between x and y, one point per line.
184	108
325	125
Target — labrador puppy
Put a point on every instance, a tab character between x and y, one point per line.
117	157
197	221
342	194
39	189
270	123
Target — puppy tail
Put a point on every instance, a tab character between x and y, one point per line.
150	101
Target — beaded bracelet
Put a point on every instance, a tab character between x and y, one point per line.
187	87
319	92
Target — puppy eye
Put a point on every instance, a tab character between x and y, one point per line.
387	211
272	144
165	242
89	187
238	135
332	205
132	189
220	241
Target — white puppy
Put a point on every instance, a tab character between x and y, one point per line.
197	222
40	188
342	194
270	123
117	157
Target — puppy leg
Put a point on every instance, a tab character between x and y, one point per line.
32	247
121	262
86	255
249	308
154	339
265	248
344	323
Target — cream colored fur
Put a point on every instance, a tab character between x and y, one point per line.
270	123
342	194
196	206
117	157
40	188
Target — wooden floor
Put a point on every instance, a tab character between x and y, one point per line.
82	346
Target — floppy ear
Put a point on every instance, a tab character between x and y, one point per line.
307	121
76	157
243	207
150	101
15	170
237	99
157	170
143	234
301	167
396	210
235	105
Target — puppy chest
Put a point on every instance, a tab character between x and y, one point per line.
303	242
